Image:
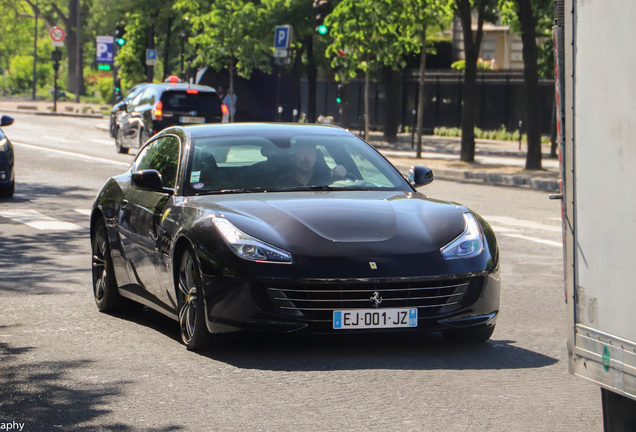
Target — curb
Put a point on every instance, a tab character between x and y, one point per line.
494	179
47	113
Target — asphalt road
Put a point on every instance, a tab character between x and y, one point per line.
65	366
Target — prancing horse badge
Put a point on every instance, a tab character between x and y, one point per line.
373	266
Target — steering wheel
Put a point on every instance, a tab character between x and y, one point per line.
351	176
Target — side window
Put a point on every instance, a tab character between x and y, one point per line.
163	157
135	101
144	158
148	97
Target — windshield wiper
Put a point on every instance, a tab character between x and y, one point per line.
228	191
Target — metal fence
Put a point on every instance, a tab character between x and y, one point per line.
500	100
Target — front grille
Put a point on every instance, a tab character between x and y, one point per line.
316	302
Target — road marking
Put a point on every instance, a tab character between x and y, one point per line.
535	239
521	223
85	212
39	221
103	141
77	155
57	138
502	229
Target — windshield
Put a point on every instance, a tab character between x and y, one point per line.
287	163
176	100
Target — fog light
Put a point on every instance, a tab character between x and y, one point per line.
3	175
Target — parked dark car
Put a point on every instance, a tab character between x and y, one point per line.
288	228
7	176
120	107
160	106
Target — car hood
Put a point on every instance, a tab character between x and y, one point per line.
342	223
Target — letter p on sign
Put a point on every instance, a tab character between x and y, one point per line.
282	37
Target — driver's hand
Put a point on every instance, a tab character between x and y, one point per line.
339	172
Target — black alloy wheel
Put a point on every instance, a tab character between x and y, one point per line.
194	332
118	142
107	297
8	190
469	335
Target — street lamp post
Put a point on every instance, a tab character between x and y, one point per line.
183	35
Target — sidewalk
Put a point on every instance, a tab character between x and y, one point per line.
64	108
496	162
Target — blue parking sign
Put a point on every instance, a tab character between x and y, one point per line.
282	37
151	57
104	49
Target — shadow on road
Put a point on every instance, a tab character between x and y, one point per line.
25	192
42	395
400	351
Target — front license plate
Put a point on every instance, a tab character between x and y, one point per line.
186	119
374	318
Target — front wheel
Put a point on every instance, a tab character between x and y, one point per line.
8	190
194	332
107	297
119	142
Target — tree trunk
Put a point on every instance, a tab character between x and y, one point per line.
366	103
344	107
150	70
471	54
311	80
231	68
166	51
420	103
74	83
296	73
531	75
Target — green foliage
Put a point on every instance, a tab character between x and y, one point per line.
233	32
500	134
20	77
482	64
131	57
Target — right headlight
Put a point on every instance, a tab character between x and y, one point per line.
249	248
469	244
3	145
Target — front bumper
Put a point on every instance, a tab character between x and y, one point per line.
306	306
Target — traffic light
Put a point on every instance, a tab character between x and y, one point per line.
119	35
339	94
103	67
117	86
322	9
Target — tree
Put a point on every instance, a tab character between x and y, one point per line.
381	38
231	35
424	13
533	18
472	46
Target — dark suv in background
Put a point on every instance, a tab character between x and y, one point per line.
160	106
120	107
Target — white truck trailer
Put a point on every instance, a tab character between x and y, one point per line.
596	59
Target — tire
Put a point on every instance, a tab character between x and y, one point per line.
107	297
469	335
194	332
118	142
8	190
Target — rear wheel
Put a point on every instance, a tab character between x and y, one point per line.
469	335
194	332
7	190
107	297
119	142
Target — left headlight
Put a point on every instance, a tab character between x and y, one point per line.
469	244
249	248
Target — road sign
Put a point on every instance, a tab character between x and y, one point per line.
57	36
151	57
281	53
104	49
282	37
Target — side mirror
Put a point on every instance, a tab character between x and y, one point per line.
149	180
6	120
420	176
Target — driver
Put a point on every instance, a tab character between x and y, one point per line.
306	172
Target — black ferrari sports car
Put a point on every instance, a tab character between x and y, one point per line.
288	228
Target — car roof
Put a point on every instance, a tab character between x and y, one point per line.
234	129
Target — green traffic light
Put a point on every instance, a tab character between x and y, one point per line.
322	29
117	89
338	100
121	41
